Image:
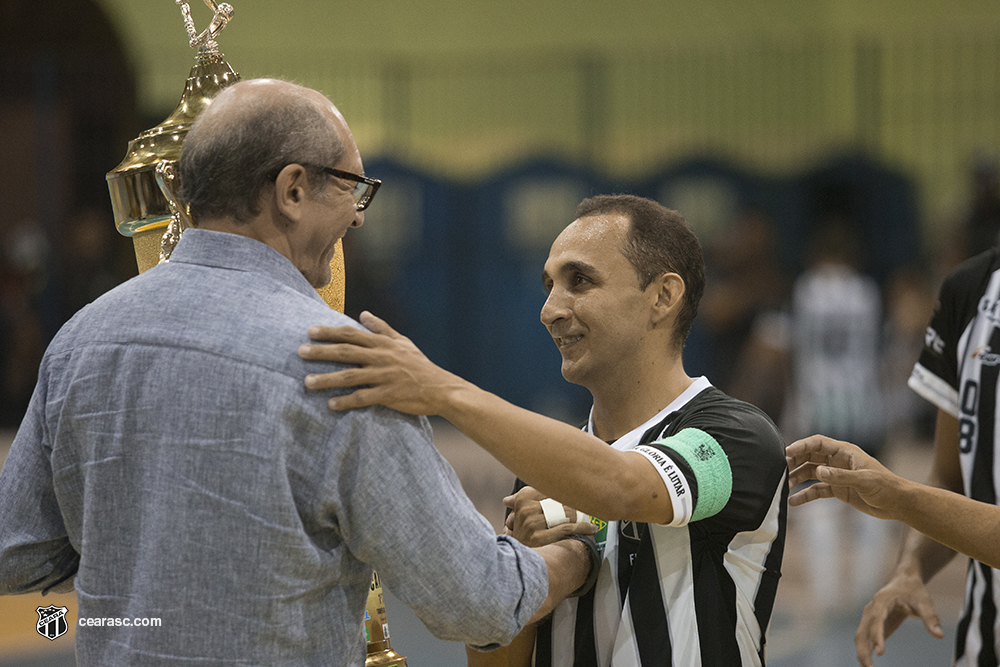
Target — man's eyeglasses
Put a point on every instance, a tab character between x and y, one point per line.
365	189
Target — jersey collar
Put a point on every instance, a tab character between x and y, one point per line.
631	439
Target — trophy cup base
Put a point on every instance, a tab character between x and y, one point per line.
387	658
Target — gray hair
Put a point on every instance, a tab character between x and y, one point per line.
227	162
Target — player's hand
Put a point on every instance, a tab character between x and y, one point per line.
843	471
391	370
527	522
905	595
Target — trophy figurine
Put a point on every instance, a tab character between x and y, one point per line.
145	186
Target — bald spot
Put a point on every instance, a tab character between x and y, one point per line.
241	99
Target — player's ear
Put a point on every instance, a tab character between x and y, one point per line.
669	291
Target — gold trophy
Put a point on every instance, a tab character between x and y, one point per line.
380	653
144	187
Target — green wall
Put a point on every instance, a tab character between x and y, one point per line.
269	37
462	87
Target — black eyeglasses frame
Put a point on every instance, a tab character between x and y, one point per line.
367	194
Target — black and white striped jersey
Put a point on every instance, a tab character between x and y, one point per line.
958	371
699	592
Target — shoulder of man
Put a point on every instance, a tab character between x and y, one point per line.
716	412
969	279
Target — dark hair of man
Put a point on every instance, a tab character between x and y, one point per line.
659	241
225	166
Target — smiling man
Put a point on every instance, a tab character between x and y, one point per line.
689	483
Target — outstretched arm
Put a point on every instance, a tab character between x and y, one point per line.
557	459
845	472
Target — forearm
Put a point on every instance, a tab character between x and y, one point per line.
923	556
517	654
555	458
955	521
31	568
568	564
559	460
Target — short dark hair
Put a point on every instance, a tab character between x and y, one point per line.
659	240
225	167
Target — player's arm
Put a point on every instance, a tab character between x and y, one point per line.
557	459
847	473
922	555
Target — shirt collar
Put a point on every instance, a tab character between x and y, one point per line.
239	253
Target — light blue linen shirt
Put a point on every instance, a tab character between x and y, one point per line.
172	460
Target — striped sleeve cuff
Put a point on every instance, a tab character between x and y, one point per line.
934	389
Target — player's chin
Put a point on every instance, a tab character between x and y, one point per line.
573	371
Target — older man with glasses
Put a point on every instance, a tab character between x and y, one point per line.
172	465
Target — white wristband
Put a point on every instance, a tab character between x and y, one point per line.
554	513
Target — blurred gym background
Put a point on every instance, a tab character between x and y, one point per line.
766	124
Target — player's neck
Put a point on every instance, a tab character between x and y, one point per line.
626	404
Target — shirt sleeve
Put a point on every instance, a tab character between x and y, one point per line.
935	375
404	511
724	464
35	550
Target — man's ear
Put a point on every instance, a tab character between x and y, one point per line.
669	288
291	190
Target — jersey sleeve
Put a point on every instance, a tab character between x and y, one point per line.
935	375
731	458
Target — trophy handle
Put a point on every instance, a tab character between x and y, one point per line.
169	182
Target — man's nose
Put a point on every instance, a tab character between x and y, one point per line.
554	308
359	219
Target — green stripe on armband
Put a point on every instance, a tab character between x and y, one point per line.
710	466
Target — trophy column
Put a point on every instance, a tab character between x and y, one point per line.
380	653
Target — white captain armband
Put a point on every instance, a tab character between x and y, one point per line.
674	480
708	462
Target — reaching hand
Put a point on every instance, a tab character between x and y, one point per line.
391	370
843	471
905	595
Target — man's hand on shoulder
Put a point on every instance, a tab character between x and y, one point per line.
389	369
